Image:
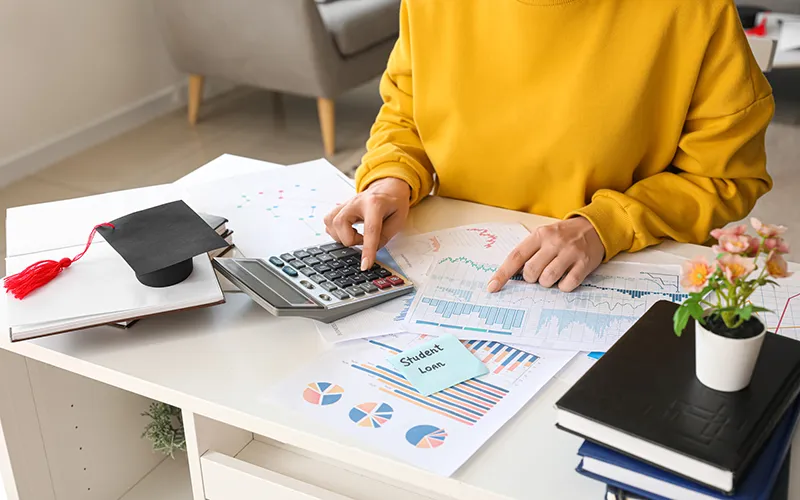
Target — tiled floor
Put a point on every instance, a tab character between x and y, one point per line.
254	124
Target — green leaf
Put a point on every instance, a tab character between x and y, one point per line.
680	320
745	312
757	309
695	310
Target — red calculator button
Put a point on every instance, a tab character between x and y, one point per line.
395	280
381	283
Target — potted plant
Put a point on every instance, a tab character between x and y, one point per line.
728	332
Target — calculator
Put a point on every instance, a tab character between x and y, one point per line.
324	283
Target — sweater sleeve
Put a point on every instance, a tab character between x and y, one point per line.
719	168
394	148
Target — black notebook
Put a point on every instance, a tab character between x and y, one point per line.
643	399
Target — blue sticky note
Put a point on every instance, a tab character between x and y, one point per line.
438	364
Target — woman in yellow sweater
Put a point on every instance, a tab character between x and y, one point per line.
631	121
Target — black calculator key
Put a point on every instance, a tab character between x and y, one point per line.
336	264
375	267
311	261
332	275
317	278
344	253
276	261
340	294
383	273
349	271
372	275
353	261
323	257
342	282
287	256
329	247
290	271
301	254
296	263
369	287
328	286
322	268
358	278
307	271
313	251
354	290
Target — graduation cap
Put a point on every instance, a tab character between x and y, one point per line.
157	243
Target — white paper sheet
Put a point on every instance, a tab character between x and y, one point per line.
225	167
413	255
276	210
357	381
591	318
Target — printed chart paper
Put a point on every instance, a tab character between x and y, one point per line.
413	256
454	300
784	303
277	210
354	389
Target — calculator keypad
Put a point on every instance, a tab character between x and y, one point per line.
336	269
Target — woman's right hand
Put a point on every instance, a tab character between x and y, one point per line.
382	207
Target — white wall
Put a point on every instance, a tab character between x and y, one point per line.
69	66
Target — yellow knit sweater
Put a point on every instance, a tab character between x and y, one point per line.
647	117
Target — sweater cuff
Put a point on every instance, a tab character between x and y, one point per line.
365	177
611	222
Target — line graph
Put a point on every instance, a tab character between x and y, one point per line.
783	302
490	237
592	318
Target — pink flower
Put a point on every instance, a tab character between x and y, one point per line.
730	231
777	266
755	246
734	244
776	244
695	274
735	267
767	230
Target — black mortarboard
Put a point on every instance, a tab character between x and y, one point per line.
160	242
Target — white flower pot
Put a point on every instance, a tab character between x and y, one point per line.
725	364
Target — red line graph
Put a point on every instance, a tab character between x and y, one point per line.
484	233
785	308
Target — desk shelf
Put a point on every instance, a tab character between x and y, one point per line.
168	481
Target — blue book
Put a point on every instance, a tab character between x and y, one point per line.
642	479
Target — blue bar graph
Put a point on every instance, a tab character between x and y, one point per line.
503	317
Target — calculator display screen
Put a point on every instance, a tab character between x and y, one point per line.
277	285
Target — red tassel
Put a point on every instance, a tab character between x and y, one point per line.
760	30
41	273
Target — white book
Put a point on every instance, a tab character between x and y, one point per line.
100	288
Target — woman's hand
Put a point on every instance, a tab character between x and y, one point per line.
568	251
382	207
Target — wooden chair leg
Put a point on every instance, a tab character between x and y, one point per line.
327	123
195	96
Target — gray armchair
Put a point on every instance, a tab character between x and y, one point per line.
290	46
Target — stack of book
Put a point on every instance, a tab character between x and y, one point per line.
653	431
220	225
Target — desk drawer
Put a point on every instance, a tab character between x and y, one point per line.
263	471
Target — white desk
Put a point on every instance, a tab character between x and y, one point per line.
215	364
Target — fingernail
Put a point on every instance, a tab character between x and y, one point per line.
364	264
494	285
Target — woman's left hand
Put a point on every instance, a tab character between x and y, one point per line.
568	251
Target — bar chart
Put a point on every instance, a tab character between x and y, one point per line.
591	318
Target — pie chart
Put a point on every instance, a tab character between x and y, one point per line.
426	436
322	393
373	415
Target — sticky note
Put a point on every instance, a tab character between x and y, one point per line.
438	364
